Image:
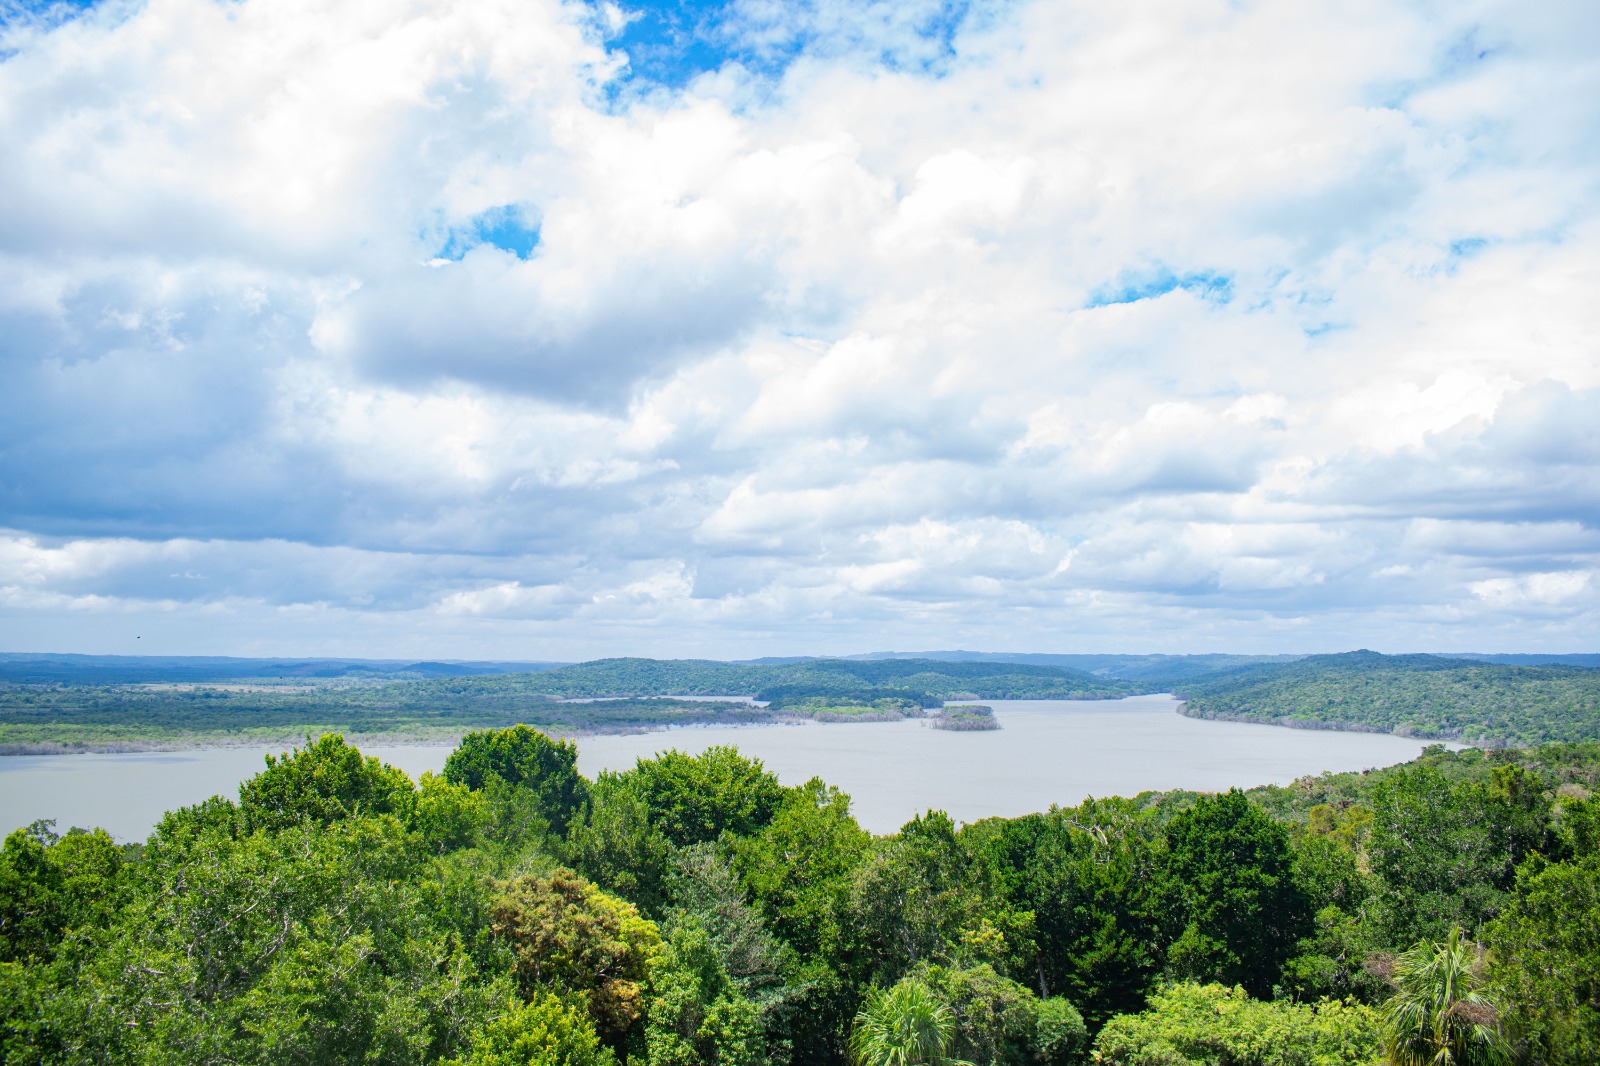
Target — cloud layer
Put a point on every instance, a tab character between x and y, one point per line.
547	330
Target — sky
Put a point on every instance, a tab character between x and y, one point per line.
557	330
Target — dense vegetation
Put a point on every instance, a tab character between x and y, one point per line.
1414	695
124	717
52	717
693	910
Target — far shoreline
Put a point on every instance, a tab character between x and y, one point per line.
452	737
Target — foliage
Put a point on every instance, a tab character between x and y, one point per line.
339	913
1001	1022
905	1025
527	759
798	869
1211	1025
1090	876
694	799
1232	893
698	1016
967	718
541	1032
567	935
323	782
51	885
910	899
311	943
1545	962
1437	1016
1449	852
1415	695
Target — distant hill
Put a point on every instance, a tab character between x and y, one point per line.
1126	667
1588	662
918	679
1415	695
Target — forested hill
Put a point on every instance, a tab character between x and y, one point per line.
632	694
817	677
1415	695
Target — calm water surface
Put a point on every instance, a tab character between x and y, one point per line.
1048	751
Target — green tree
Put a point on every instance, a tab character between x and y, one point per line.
1438	1016
50	885
323	782
1230	879
449	817
567	935
704	889
1060	1037
313	943
905	1025
1448	852
619	846
798	868
1545	962
912	898
697	1014
541	1032
527	759
1090	876
1329	961
1000	1022
694	799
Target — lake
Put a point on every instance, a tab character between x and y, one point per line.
1047	751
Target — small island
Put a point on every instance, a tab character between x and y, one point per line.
967	718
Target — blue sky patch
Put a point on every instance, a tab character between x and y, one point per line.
504	227
1146	285
671	42
43	12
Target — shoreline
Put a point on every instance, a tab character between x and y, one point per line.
1340	727
451	737
430	738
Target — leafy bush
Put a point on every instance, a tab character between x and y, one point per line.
1210	1025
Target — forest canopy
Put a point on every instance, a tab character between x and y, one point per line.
695	910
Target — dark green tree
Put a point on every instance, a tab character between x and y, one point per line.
528	759
1230	881
1448	852
1089	875
1545	962
698	1015
798	868
911	898
50	885
323	782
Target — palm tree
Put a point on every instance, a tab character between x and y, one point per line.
904	1026
1437	1017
